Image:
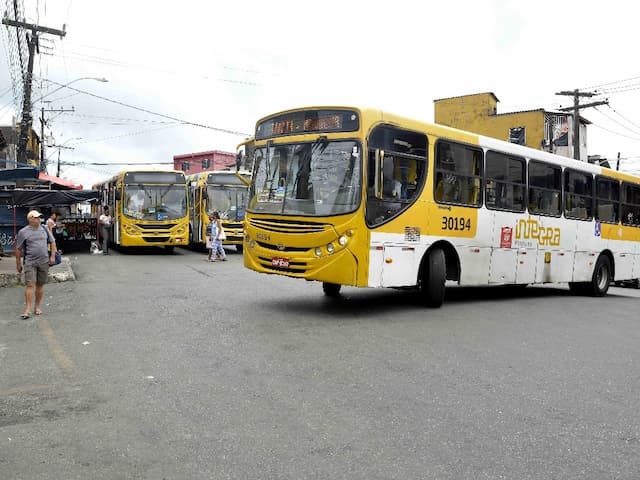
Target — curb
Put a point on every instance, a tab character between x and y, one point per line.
59	273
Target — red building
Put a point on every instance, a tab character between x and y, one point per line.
199	162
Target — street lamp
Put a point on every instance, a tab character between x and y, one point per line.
65	85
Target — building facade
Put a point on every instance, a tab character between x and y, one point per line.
199	162
540	129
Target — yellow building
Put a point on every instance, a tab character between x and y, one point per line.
539	129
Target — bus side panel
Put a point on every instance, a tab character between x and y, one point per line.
475	252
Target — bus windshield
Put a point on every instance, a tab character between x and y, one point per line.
228	201
314	179
155	202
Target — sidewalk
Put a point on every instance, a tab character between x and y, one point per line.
9	276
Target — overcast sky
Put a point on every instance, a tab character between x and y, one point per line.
226	64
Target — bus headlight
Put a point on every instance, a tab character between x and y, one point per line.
330	248
342	241
252	244
132	230
318	252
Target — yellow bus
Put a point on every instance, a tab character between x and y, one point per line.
361	197
149	208
223	191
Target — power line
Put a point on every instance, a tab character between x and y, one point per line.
610	83
623	117
150	112
616	122
615	133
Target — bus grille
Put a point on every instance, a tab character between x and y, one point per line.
156	226
156	239
287	226
286	249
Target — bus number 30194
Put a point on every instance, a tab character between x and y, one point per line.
456	223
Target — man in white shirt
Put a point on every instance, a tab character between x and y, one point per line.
105	222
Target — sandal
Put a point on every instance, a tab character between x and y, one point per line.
25	315
38	312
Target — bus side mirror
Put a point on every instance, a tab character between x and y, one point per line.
118	195
378	175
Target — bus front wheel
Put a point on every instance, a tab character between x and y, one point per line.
331	289
239	248
433	278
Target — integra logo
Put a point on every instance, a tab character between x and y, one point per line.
531	229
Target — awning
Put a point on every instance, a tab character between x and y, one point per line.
52	198
60	181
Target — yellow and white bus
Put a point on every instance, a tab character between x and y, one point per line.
361	197
149	208
223	191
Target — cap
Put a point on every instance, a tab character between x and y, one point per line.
33	213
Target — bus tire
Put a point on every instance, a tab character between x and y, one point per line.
433	278
601	278
331	289
239	248
169	249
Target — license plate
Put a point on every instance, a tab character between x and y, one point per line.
280	262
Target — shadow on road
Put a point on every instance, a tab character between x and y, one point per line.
353	301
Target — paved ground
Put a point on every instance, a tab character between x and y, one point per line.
9	276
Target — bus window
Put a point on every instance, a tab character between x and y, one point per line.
458	174
578	187
631	204
402	161
545	189
505	182
607	199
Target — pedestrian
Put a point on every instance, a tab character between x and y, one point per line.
55	227
217	238
209	237
33	256
105	222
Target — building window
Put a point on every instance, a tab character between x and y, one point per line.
185	166
518	135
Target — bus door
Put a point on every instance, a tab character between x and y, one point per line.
504	253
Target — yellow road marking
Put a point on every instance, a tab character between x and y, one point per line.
23	389
61	358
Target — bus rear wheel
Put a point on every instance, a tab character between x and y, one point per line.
601	278
433	278
331	289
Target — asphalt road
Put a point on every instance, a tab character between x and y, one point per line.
155	366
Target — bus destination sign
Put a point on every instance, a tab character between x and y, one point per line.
308	121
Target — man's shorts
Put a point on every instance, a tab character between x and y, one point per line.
37	273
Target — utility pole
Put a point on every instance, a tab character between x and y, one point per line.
576	94
27	117
43	159
60	147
